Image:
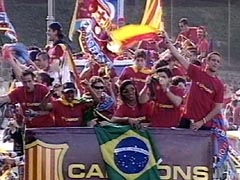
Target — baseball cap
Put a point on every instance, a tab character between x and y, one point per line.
69	86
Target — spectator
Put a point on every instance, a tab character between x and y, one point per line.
13	133
187	32
138	72
167	102
43	63
58	51
203	44
29	96
205	99
130	111
45	79
104	103
67	111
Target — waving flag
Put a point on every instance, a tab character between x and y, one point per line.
92	20
128	154
153	14
5	25
127	36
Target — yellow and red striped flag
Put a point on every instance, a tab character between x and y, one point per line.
127	36
153	14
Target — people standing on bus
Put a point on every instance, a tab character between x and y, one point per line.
167	99
187	32
203	44
138	72
129	110
67	110
205	99
58	51
29	96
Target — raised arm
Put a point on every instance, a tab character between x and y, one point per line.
185	63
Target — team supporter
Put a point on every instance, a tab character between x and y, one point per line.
203	44
167	99
138	72
58	51
67	111
187	32
206	93
29	96
45	79
104	104
43	63
130	111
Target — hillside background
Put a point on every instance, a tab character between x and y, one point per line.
29	20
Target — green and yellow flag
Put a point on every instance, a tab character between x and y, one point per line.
128	153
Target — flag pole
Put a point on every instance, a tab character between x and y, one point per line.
51	13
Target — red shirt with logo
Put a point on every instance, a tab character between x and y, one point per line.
165	113
138	76
31	100
205	91
67	116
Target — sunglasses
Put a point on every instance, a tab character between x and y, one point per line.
98	87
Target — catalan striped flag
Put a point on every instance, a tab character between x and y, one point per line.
153	14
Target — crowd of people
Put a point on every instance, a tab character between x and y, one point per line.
181	88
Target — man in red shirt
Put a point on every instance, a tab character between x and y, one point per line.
206	93
203	44
187	32
138	72
29	96
167	99
67	111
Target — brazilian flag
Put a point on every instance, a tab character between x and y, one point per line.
128	153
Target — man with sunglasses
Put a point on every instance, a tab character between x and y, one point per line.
138	72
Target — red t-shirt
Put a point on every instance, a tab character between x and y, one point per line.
205	91
56	52
139	77
191	34
67	116
141	110
203	46
31	100
165	113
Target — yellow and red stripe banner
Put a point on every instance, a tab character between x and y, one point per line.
129	35
153	14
